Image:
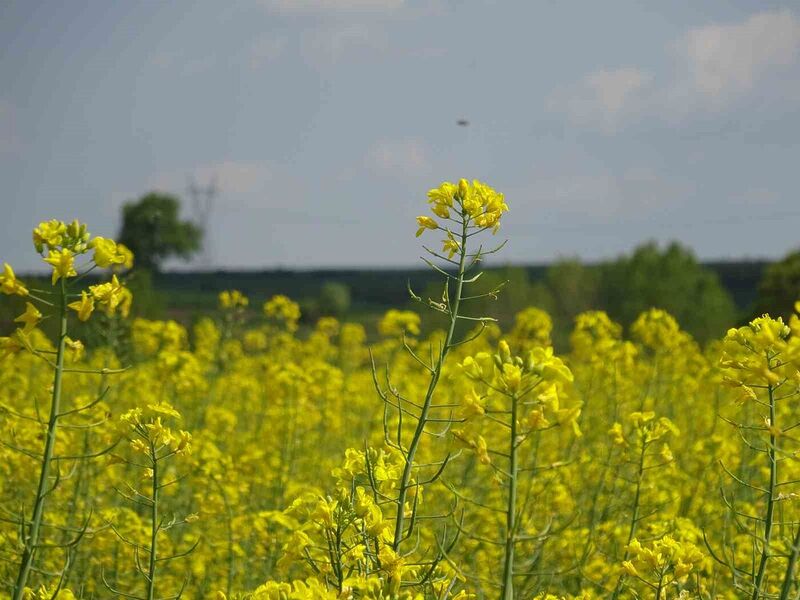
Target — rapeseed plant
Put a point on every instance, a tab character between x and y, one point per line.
637	464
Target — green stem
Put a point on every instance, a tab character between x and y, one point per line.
507	592
788	578
635	514
423	417
32	540
773	479
154	527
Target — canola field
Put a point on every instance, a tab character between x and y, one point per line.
249	458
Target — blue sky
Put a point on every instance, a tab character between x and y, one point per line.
324	122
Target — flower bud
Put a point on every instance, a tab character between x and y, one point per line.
504	351
463	188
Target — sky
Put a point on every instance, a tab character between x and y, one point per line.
325	122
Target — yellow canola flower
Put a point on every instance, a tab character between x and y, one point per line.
477	201
512	377
472	405
617	435
126	300
537	420
63	263
425	223
84	306
391	562
9	284
75	348
111	295
127	255
450	246
283	309
10	345
230	299
108	253
441	199
182	444
30	318
159	433
395	323
629	568
49	233
164	408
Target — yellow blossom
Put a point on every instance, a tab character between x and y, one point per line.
84	306
9	345
450	246
107	253
109	295
425	223
63	263
9	284
29	318
75	348
50	233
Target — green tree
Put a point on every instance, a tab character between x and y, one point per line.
152	229
779	288
670	279
334	299
572	288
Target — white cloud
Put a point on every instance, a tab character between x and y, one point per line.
315	7
713	66
604	96
724	60
634	194
406	157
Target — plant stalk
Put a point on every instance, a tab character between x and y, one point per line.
423	418
32	540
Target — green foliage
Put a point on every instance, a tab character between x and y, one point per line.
650	277
152	229
334	299
149	302
779	288
670	279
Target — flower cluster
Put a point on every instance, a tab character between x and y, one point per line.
474	206
284	311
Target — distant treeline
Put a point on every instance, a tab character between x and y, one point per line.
706	298
378	288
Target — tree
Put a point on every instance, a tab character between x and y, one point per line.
334	299
670	279
779	288
152	229
572	289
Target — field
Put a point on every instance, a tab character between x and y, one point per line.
247	457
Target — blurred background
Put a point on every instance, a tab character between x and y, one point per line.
647	150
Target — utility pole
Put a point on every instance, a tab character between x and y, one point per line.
202	198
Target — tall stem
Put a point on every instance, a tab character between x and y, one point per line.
788	578
423	417
154	527
634	514
32	539
507	592
773	480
